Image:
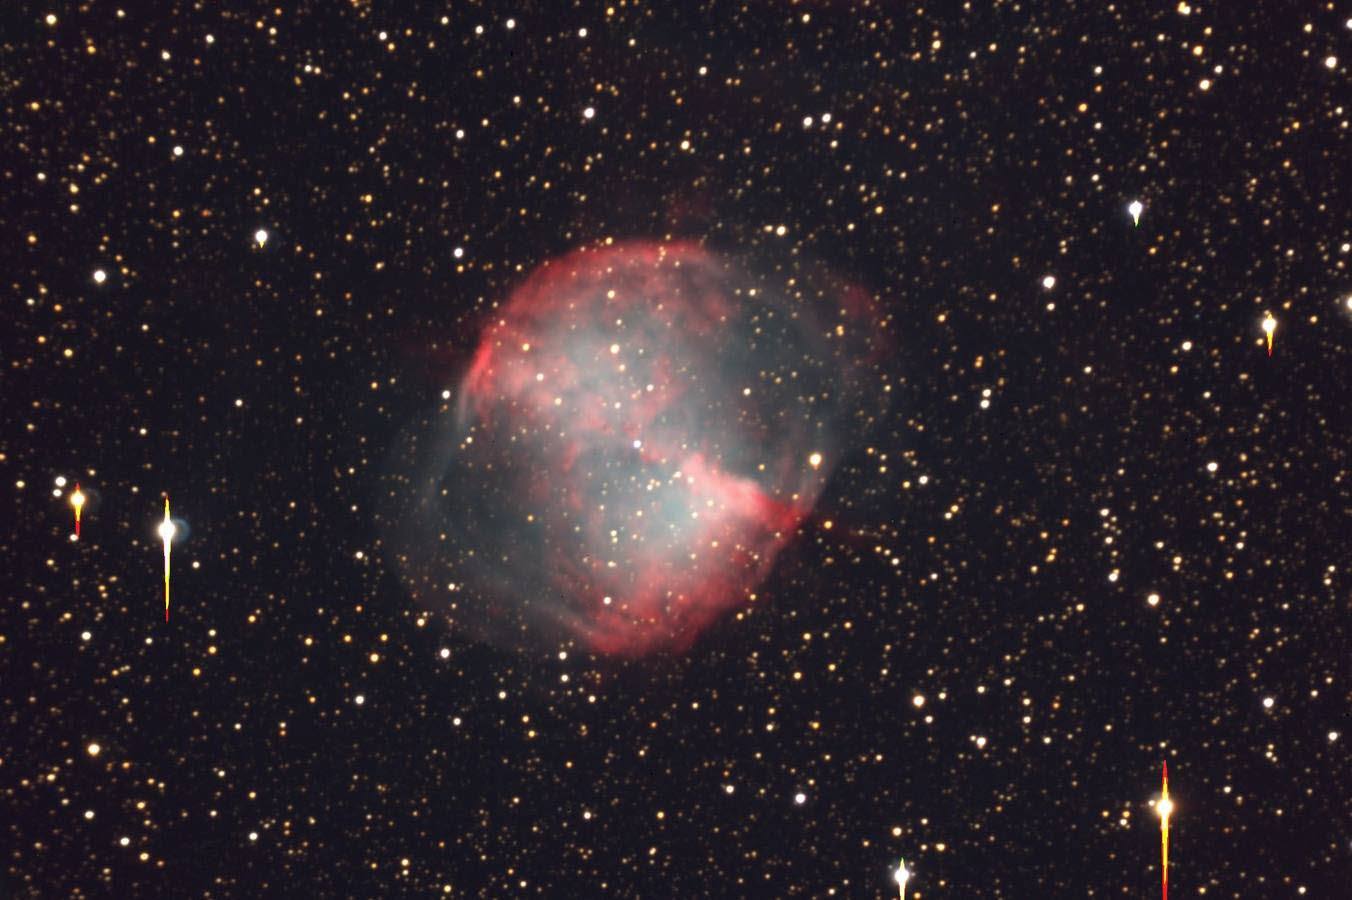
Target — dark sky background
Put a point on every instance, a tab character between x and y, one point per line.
1053	459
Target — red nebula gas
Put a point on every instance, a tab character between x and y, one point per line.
639	434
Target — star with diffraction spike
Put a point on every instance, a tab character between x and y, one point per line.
77	500
1269	328
1164	808
167	530
903	875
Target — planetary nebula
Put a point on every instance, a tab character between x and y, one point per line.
641	430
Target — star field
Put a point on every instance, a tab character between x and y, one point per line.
1092	522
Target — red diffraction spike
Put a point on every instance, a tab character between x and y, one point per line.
77	500
1165	807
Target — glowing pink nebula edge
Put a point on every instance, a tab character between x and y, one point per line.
630	448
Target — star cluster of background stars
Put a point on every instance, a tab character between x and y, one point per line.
1101	529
